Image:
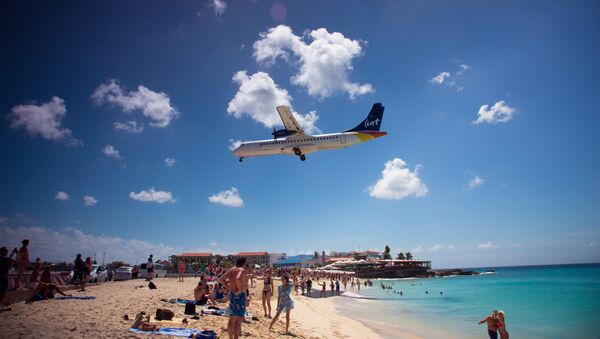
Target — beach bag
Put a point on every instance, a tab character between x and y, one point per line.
206	334
164	314
190	308
151	286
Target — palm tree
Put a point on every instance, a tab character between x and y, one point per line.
409	256
386	253
401	256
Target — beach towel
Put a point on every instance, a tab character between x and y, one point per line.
174	332
83	297
174	321
213	312
185	301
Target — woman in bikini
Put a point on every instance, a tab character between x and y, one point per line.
502	325
267	293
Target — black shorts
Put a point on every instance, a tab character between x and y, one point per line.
150	270
493	334
3	285
78	275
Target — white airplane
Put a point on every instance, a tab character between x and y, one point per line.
293	141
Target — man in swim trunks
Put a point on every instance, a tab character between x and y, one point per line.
236	280
492	324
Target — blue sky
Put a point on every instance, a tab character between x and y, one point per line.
170	67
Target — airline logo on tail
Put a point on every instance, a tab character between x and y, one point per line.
374	123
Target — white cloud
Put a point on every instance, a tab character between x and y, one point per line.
130	126
154	105
451	80
417	249
89	201
440	78
593	243
44	120
436	248
398	182
486	246
451	247
152	195
258	98
463	68
64	244
61	196
233	144
219	6
476	181
111	152
213	243
230	197
170	162
499	113
324	64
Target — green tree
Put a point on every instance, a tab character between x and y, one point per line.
386	253
401	256
409	256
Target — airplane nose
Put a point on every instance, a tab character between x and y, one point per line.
238	151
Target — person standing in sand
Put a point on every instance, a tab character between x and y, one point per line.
502	325
87	269
267	293
492	324
181	269
23	261
236	280
284	303
323	289
78	270
149	268
6	262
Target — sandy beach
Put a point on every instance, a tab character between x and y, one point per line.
103	317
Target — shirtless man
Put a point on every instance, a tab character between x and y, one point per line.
492	324
236	280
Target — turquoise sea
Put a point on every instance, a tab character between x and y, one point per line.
557	301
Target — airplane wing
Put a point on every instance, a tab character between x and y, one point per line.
289	121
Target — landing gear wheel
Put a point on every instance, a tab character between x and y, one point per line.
241	159
297	151
302	157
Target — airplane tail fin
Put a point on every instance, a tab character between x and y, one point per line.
373	120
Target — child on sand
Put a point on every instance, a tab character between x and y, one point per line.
284	303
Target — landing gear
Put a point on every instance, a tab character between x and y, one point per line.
299	153
241	159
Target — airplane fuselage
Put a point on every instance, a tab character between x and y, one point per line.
295	145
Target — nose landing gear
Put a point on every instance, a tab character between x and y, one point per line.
241	159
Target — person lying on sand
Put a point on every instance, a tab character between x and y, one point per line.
45	287
143	323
